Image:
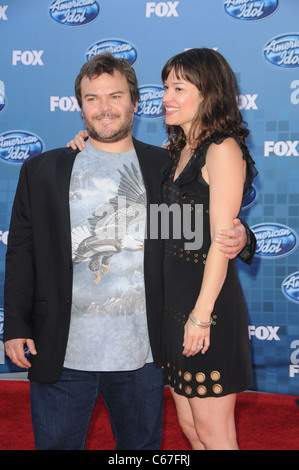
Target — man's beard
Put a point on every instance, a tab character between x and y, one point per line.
114	135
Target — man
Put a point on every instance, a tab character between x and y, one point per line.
75	291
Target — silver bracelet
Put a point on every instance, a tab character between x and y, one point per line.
200	324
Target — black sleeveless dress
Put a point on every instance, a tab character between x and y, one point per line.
226	367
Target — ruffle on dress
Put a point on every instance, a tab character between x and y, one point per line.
191	175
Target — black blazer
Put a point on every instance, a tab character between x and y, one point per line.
38	282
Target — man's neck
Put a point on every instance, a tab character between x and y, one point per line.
123	145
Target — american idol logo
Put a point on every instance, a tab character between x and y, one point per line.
74	12
283	51
250	10
274	240
150	104
117	47
290	287
18	146
250	199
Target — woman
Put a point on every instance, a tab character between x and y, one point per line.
205	333
206	345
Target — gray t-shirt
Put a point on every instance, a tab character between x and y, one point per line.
108	330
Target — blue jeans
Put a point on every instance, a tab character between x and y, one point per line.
61	412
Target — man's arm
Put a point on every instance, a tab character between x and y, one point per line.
19	277
238	242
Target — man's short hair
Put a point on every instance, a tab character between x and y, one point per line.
107	63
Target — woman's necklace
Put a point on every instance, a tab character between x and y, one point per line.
183	160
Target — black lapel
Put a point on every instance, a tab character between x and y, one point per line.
63	173
144	154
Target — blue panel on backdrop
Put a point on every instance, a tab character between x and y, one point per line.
43	47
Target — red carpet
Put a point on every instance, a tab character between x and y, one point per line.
264	422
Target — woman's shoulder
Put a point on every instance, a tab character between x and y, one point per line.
230	144
220	143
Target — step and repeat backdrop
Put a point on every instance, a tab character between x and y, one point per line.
43	46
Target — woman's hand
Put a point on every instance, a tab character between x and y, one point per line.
78	141
195	339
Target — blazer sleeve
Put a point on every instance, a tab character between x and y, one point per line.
247	254
20	270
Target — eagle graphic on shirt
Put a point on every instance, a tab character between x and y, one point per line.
110	227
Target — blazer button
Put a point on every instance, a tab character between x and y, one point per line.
70	265
68	301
